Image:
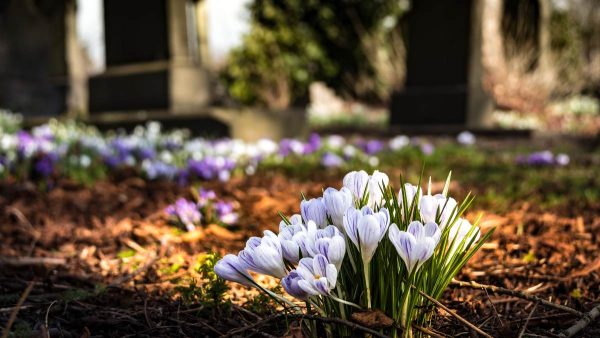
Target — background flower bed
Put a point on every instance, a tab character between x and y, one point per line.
107	257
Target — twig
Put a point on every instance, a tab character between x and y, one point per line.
527	321
427	331
515	293
351	325
13	314
582	323
455	315
146	313
26	261
200	323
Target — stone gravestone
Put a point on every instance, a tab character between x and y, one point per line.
33	68
151	63
443	80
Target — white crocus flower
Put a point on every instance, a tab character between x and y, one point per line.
328	242
411	192
376	181
459	232
232	268
356	182
416	244
318	275
264	255
336	203
431	206
314	210
366	228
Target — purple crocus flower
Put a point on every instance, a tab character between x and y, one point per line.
159	169
313	144
186	212
331	160
372	147
290	285
225	212
427	148
146	153
203	168
45	165
205	196
539	158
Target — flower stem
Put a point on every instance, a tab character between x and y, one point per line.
367	283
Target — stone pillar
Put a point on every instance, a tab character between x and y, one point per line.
189	88
77	96
443	80
479	103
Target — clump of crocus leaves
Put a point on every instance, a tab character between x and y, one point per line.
364	247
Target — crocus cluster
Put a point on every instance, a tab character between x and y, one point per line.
206	209
363	246
543	158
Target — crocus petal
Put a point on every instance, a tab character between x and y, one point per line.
369	235
231	268
320	265
331	275
415	228
290	285
432	230
307	287
336	203
356	182
351	219
314	210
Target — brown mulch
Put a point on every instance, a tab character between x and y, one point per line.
70	241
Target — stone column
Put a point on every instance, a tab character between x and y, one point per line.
479	102
189	86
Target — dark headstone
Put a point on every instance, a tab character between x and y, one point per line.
439	47
137	91
135	31
33	70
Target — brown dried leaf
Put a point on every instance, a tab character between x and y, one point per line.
374	319
221	232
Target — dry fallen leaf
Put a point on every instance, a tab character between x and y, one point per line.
374	319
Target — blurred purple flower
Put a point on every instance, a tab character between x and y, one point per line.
313	144
186	212
331	160
466	138
427	148
225	212
45	164
371	147
205	196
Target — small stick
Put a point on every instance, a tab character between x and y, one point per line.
26	261
523	295
582	323
427	331
351	325
527	321
455	315
13	314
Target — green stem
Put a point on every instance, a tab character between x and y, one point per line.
344	301
367	283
